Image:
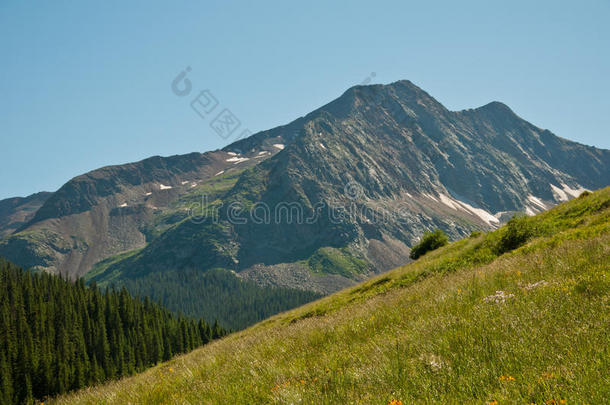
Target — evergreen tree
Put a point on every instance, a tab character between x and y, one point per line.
57	336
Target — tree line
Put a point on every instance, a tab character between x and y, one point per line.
57	336
217	294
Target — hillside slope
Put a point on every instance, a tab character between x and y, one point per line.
18	211
109	211
322	203
354	185
57	336
520	314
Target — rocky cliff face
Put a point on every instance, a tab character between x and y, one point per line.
317	204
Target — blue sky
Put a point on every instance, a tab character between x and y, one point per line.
88	84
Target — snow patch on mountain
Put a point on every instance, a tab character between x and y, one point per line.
429	196
458	205
565	192
448	201
574	192
481	213
237	160
537	202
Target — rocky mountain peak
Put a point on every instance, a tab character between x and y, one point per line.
393	160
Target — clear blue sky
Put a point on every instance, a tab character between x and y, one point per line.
87	84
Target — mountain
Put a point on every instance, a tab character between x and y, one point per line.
462	324
319	204
16	212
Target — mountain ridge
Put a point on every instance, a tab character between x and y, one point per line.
15	212
375	168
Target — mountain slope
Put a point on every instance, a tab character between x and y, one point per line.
108	211
462	324
16	212
358	181
319	204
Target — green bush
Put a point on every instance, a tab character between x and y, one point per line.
519	230
430	241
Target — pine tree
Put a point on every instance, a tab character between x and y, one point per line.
57	336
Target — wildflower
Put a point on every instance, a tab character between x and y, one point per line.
459	290
499	297
506	378
433	361
171	370
395	402
492	402
303	382
518	273
275	387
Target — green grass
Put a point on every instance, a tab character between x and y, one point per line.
463	324
101	266
200	200
329	260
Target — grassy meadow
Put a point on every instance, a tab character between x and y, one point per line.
519	315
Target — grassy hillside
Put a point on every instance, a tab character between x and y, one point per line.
518	315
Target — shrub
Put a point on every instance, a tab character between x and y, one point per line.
430	241
518	231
